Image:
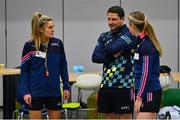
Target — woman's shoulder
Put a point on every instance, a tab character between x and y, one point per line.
147	47
56	40
29	44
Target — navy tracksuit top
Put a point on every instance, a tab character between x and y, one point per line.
117	72
146	67
33	78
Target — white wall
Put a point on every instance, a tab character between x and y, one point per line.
2	45
85	20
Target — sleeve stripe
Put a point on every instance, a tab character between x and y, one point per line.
149	96
25	61
126	38
144	76
27	56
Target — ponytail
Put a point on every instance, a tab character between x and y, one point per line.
140	20
37	23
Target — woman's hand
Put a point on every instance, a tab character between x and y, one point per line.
28	99
66	94
137	106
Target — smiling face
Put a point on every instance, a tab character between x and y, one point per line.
114	21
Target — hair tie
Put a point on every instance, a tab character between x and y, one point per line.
145	18
145	21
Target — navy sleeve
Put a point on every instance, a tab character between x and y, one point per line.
125	42
99	54
24	68
64	70
146	74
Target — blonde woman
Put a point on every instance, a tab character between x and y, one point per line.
43	61
146	67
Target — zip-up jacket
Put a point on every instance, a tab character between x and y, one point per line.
33	78
117	72
146	67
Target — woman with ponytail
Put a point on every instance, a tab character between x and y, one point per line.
146	67
43	63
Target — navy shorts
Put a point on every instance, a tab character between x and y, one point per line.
151	102
52	103
115	100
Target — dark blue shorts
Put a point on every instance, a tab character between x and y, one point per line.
151	102
115	100
52	103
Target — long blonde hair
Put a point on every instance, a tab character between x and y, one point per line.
38	22
140	20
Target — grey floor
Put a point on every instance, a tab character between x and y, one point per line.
71	115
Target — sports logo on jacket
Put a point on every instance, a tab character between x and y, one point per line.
55	44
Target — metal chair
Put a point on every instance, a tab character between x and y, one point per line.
68	106
83	82
87	82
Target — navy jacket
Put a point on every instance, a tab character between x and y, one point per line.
146	67
33	79
117	72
